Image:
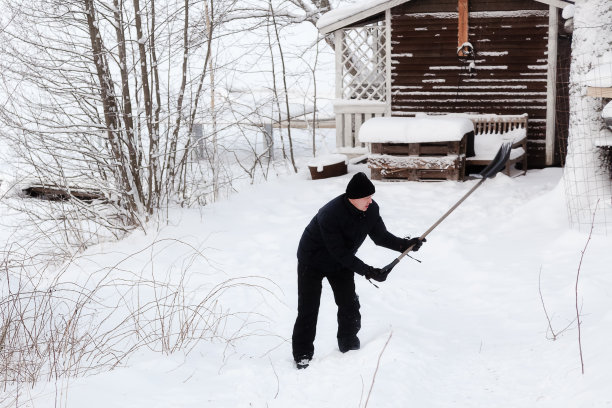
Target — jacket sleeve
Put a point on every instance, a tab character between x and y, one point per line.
334	242
384	238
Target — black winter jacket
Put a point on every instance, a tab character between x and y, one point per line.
332	238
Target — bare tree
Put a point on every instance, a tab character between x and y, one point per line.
103	112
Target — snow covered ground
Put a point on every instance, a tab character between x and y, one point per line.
465	328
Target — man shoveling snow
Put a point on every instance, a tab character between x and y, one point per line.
327	250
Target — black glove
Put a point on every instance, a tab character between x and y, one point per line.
408	242
377	274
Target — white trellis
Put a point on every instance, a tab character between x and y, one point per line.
363	64
362	80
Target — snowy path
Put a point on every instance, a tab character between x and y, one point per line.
468	329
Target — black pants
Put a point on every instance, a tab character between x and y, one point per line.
342	283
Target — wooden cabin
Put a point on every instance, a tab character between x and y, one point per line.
404	57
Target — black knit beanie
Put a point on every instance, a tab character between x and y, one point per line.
359	186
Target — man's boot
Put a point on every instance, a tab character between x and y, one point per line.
302	362
348	343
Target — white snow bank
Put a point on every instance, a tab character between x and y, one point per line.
414	130
468	319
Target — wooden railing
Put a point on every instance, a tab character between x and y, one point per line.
350	115
497	124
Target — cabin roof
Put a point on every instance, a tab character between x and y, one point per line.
354	13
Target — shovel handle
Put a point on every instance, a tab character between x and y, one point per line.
495	166
388	268
453	208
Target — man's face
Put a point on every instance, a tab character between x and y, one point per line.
361	204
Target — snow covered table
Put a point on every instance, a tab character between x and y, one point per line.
419	148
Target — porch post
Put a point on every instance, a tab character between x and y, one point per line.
338	42
551	85
388	61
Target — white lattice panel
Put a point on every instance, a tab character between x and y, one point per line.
364	63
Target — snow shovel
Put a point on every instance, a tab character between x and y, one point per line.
498	163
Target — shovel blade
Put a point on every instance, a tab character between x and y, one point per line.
498	162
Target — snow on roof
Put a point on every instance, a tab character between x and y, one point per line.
414	130
352	13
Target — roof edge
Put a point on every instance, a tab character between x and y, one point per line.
345	16
339	19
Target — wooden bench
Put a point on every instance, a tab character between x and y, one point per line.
490	131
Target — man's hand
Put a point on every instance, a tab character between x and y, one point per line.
377	274
416	243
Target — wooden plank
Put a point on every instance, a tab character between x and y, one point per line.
434	174
434	150
388	62
358	122
345	106
399	149
598	92
62	193
555	3
348	130
339	130
462	37
551	88
497	5
375	174
505	107
338	40
456	147
425	7
306	124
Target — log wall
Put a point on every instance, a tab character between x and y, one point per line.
510	74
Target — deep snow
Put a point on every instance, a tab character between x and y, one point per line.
467	325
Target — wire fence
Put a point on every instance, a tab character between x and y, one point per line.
585	141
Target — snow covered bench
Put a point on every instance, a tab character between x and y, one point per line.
419	148
440	146
491	131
